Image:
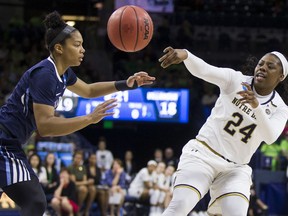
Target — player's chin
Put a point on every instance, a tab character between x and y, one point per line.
77	63
258	84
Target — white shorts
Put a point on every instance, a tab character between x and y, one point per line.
135	192
201	170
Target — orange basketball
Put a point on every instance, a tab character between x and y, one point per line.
130	28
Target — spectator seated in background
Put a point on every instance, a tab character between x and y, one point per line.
65	195
115	178
271	155
256	206
167	185
85	189
158	155
284	149
157	193
104	156
36	164
94	177
52	176
141	185
129	166
169	157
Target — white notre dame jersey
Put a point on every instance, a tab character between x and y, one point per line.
235	130
142	176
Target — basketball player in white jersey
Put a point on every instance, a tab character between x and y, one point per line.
248	112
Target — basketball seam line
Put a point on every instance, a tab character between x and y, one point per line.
120	32
136	43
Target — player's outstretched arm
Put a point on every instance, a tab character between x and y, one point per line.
98	89
172	56
50	125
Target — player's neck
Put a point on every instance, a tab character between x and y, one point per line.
61	68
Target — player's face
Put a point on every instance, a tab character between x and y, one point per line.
73	51
268	73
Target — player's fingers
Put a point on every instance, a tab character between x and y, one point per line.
142	76
100	112
168	60
150	79
107	103
147	77
167	49
246	86
163	58
108	114
141	73
147	83
167	52
109	107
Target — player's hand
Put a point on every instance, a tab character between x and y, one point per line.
101	110
172	56
248	96
141	78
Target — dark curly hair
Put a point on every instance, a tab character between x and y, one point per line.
54	24
248	69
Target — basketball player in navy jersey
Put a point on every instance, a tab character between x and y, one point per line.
248	112
32	104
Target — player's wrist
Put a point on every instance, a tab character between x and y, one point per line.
89	119
121	85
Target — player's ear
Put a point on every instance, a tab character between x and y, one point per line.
58	48
281	77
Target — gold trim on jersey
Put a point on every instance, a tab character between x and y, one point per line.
206	145
189	187
209	214
212	150
230	194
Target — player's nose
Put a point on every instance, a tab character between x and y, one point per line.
82	50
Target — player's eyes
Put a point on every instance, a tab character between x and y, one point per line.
77	44
260	63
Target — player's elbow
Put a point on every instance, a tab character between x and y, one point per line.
44	130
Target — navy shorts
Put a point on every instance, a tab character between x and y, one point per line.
14	166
